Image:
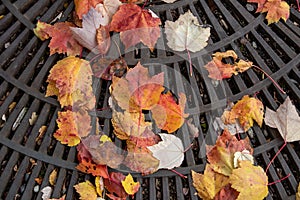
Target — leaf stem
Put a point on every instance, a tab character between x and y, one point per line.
278	181
190	61
275	156
298	5
188	148
273	81
145	3
179	174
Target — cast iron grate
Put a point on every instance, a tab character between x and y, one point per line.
25	63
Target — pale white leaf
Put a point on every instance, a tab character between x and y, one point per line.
239	156
286	120
108	9
232	128
169	151
186	33
169	1
47	191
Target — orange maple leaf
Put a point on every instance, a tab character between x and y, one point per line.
168	114
276	9
83	6
245	111
136	25
72	126
62	40
70	80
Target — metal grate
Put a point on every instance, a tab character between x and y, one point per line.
25	63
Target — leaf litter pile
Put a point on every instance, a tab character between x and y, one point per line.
230	172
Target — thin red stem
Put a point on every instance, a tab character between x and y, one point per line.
145	3
188	148
298	5
276	155
278	181
179	174
190	61
273	81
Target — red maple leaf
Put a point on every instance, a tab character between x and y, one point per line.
136	25
83	6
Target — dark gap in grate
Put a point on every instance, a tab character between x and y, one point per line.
205	20
295	78
101	97
174	14
163	18
235	13
158	187
137	51
172	188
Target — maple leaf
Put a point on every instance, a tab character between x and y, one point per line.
245	111
71	80
86	190
72	126
106	68
139	157
227	193
286	119
209	183
129	124
137	91
221	155
136	25
129	185
99	185
169	151
108	9
186	33
244	155
87	165
62	40
218	70
83	6
251	181
86	35
260	4
114	186
276	9
168	114
103	152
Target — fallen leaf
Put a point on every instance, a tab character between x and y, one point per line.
114	186
86	190
136	25
251	181
87	165
33	118
52	177
42	132
62	40
137	91
186	33
102	153
168	114
99	185
194	131
83	6
246	111
239	156
12	106
46	192
72	126
169	151
106	68
209	183
221	155
38	180
227	193
129	124
70	80
86	35
129	185
103	39
276	9
219	70
286	119
108	9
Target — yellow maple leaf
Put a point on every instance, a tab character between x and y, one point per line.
99	185
245	111
276	9
251	181
70	80
72	126
209	183
129	185
86	190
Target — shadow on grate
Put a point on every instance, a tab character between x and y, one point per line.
25	63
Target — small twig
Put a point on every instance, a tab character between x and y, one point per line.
273	81
179	174
278	181
275	156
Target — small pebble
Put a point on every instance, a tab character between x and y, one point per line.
6	45
250	7
36	188
254	45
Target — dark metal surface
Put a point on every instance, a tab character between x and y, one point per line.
25	63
